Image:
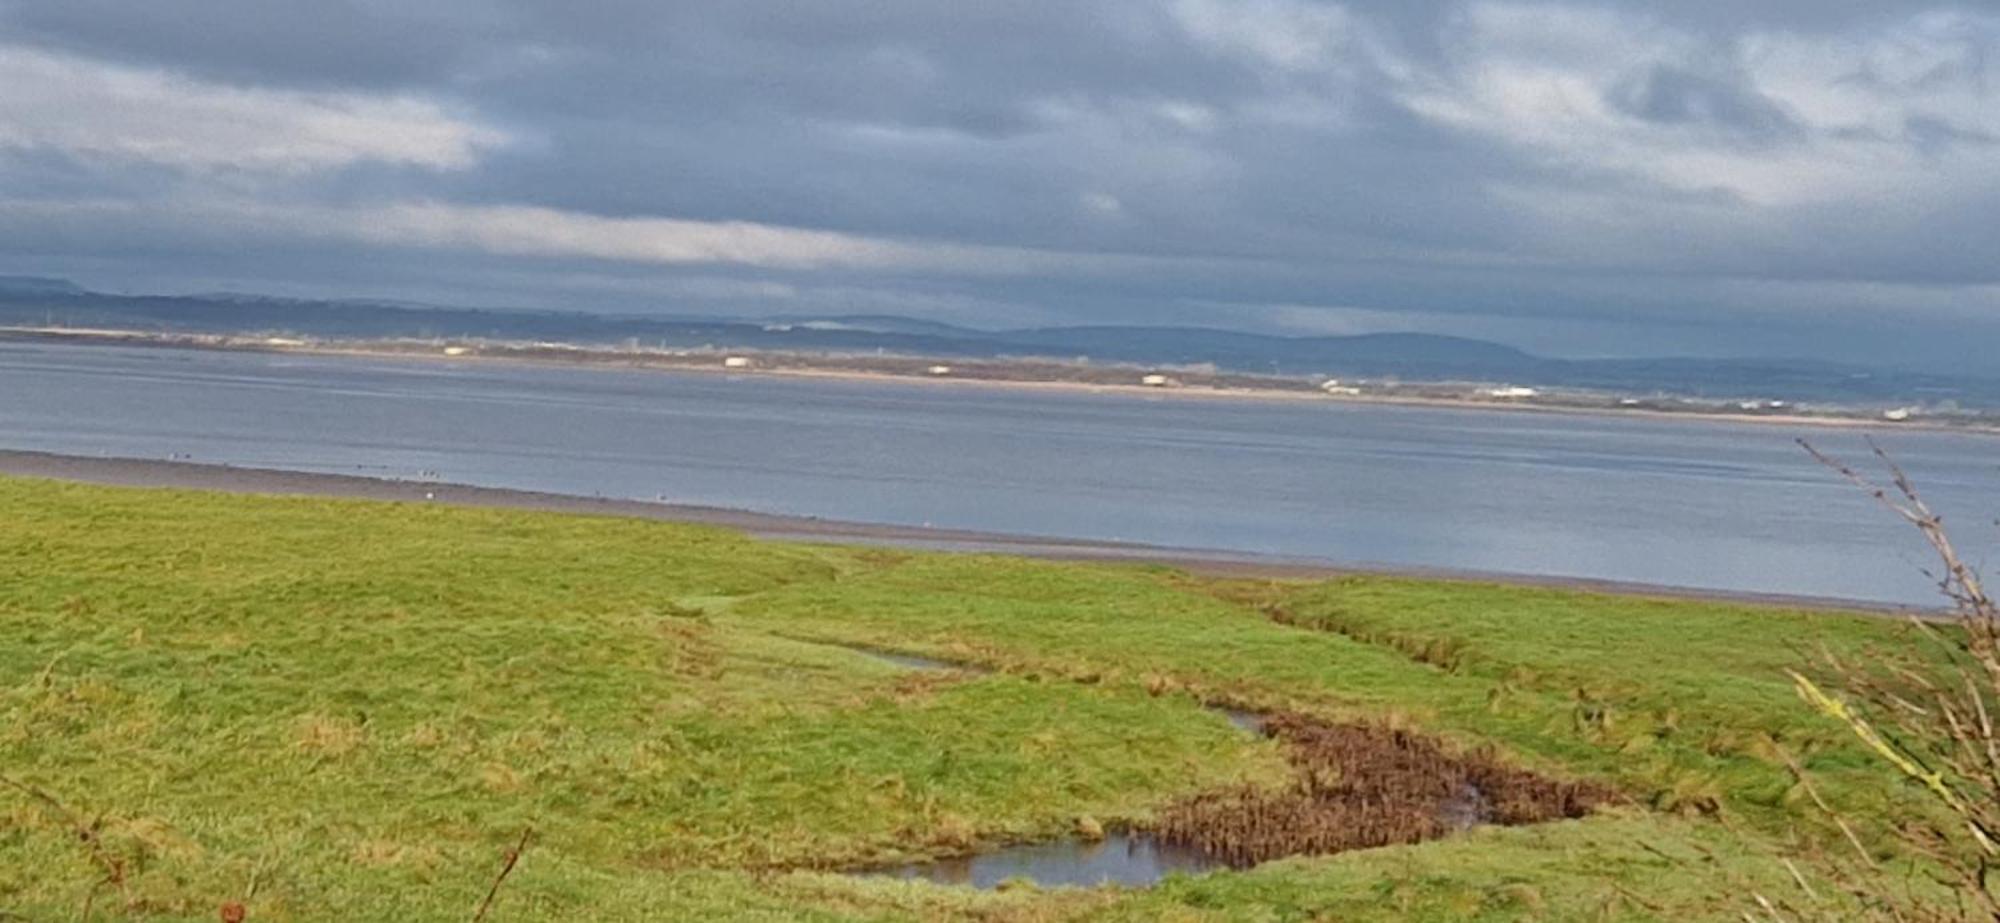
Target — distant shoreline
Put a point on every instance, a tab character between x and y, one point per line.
1006	374
188	475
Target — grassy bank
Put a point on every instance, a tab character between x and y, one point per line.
349	710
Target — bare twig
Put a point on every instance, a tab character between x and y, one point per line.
507	868
114	870
1925	711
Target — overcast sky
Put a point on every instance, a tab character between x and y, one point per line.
1795	177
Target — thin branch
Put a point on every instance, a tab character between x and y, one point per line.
114	870
507	868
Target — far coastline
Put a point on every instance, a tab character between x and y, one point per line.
1033	373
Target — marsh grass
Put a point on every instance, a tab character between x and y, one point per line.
345	710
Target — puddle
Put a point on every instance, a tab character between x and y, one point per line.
1468	807
1247	720
913	661
1131	859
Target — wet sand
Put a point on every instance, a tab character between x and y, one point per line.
137	472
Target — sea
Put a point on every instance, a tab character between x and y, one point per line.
1735	507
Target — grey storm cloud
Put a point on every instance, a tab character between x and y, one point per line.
1582	177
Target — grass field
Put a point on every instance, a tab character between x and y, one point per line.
350	710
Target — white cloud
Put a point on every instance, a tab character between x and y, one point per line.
1936	66
1287	35
91	109
1313	57
1186	115
531	231
537	232
1867	118
1103	204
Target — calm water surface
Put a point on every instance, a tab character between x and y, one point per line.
1132	859
1689	503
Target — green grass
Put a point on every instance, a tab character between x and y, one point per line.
348	710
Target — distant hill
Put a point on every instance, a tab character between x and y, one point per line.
872	323
38	285
33	301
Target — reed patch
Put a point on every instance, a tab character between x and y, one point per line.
1359	786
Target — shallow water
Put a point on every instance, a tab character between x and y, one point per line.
1133	859
1247	720
1691	503
1465	809
910	661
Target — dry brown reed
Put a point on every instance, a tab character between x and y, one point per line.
1928	713
1358	786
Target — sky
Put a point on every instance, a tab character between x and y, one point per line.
1754	177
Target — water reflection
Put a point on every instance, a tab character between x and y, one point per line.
911	661
1465	809
1133	859
1247	720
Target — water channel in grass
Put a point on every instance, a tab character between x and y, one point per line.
1120	858
914	661
1123	857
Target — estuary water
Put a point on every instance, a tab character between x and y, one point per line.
1734	507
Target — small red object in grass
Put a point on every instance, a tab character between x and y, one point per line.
233	912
